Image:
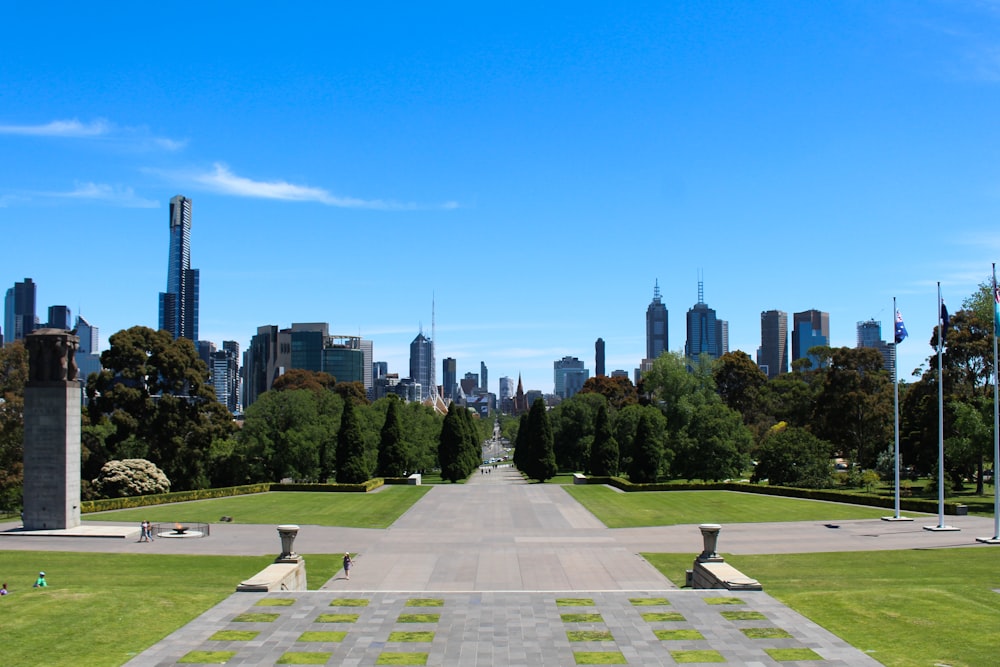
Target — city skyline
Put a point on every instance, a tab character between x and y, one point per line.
530	173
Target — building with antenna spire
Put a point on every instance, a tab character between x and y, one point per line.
657	340
706	333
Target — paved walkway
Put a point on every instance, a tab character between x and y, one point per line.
502	561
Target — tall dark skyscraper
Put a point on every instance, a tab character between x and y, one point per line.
772	355
449	378
421	364
705	331
179	304
657	340
60	318
19	311
599	357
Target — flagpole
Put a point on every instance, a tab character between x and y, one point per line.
996	420
895	412
940	349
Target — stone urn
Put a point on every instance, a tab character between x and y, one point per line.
710	538
287	534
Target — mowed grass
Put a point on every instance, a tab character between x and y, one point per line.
349	510
668	508
904	608
102	609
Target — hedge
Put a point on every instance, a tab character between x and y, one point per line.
908	504
130	502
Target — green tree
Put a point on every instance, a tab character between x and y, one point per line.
393	459
540	458
793	457
521	442
624	426
155	392
472	450
297	378
354	462
13	375
739	382
619	391
573	429
604	453
452	444
716	444
647	449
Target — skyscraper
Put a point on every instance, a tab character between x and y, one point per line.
421	360
484	382
810	328
705	333
657	340
772	355
569	375
179	304
449	378
599	357
59	318
870	335
226	374
19	316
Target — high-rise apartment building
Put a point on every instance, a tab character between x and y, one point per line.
421	360
599	357
772	355
870	335
226	375
705	330
657	340
449	378
88	360
179	303
810	328
569	375
484	381
19	317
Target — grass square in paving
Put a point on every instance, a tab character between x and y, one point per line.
678	635
234	635
792	654
662	616
425	602
766	633
349	602
649	602
581	618
589	636
418	618
743	616
337	618
322	636
395	658
599	658
697	656
304	658
251	617
574	602
411	636
724	601
207	657
275	602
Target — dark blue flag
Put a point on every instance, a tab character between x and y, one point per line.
900	328
945	322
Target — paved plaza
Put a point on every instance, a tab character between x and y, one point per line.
500	572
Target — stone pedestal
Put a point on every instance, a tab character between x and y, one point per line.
287	534
710	539
51	432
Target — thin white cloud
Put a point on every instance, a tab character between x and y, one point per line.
115	195
74	129
223	181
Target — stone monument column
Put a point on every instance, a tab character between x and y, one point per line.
51	432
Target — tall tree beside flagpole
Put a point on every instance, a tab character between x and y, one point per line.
942	333
996	417
899	333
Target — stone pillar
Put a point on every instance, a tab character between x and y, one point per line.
51	432
287	534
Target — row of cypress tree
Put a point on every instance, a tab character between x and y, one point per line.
534	453
459	450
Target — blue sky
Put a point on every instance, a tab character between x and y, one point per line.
533	169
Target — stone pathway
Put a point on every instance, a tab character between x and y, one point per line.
499	572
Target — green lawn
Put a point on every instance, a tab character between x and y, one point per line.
350	510
904	608
667	508
102	609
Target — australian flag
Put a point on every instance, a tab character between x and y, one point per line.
996	306
945	322
901	328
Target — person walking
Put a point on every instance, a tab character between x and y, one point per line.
348	563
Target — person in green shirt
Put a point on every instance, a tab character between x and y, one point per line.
40	582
